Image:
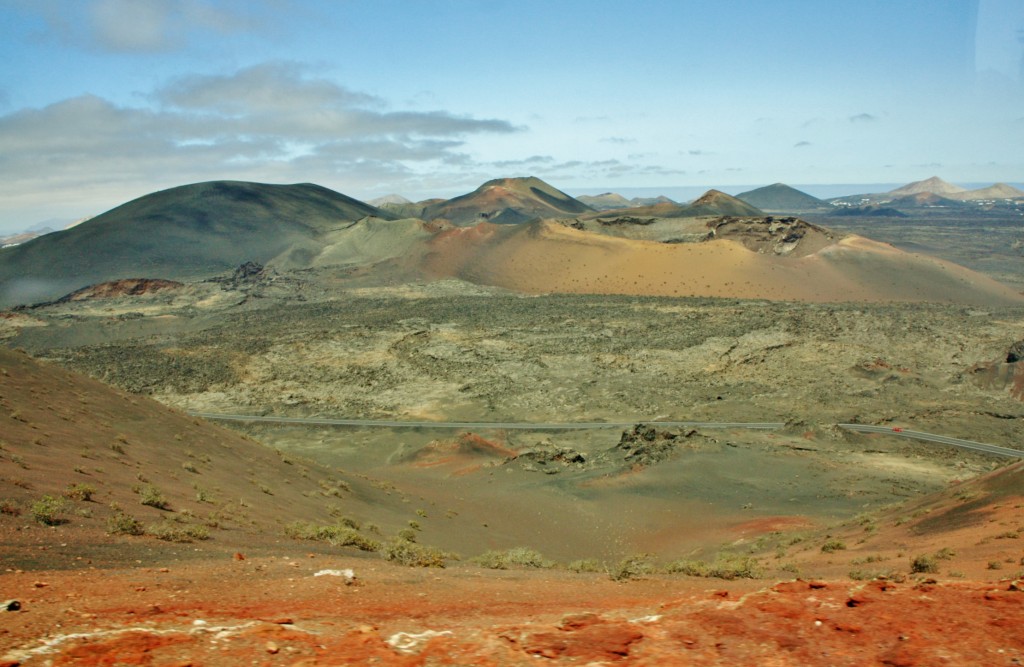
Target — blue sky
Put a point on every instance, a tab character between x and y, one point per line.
105	100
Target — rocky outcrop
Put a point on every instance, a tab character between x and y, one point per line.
119	288
548	458
644	445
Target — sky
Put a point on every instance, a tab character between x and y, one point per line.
102	101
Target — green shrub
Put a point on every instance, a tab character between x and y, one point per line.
517	556
585	565
47	510
633	567
152	497
691	568
408	553
122	523
339	535
350	522
81	492
924	565
492	560
833	545
725	566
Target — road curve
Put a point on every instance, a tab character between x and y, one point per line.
579	426
931	437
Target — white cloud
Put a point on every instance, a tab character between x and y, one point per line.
275	87
270	122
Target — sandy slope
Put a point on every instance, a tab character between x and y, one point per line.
547	257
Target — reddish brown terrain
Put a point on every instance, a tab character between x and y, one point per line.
276	611
932	582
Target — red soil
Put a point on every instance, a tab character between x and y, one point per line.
271	611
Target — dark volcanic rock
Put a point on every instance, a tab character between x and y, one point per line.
645	445
1015	353
549	460
247	271
626	220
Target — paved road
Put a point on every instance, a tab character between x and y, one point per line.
930	437
505	426
577	426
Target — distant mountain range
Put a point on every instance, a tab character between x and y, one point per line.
201	230
932	192
610	201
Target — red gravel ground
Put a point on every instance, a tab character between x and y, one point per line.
276	611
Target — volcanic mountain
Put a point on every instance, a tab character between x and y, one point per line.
780	197
605	202
759	258
997	191
935	185
715	202
712	202
924	199
187	232
507	201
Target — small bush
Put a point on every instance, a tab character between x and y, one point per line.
924	565
833	545
736	567
80	492
585	565
517	556
10	508
338	535
122	523
492	560
152	497
633	567
691	568
411	554
350	522
47	510
725	566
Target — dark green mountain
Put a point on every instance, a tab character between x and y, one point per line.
780	198
183	233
